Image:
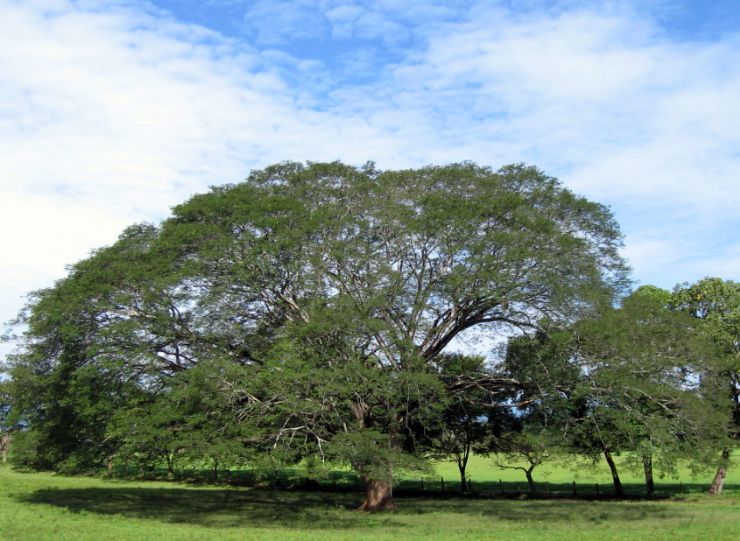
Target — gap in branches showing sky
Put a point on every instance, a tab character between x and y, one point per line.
112	111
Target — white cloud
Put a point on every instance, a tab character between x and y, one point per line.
280	21
607	102
110	113
110	116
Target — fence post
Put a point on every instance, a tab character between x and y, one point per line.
501	486
574	488
422	485
443	484
597	489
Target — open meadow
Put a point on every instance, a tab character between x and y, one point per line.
45	506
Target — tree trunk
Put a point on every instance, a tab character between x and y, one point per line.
530	480
463	481
462	464
170	465
647	466
719	478
378	492
5	445
378	495
618	490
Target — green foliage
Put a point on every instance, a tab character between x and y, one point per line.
304	312
192	421
716	303
465	419
5	407
544	401
641	364
370	453
547	375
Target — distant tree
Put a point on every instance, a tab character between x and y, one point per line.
716	303
526	448
6	425
542	399
639	363
466	420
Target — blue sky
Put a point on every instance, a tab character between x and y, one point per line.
112	111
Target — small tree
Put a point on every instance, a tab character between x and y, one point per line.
5	423
543	398
594	433
716	303
639	363
525	451
466	419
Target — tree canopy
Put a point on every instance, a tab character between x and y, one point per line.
311	310
716	303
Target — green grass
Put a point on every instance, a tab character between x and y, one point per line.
43	506
557	478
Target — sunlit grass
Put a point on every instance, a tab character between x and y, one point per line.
559	475
43	506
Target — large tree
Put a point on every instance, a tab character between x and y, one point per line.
337	280
410	259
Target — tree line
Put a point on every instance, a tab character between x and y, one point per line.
320	312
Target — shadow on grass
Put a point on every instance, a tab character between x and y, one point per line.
553	512
210	508
549	491
320	510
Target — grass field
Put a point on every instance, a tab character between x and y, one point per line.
558	478
43	506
